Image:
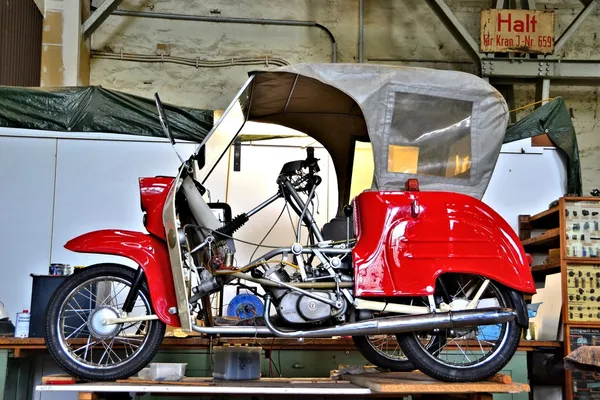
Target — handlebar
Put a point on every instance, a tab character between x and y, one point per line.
311	162
308	179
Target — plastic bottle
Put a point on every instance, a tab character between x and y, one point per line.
22	325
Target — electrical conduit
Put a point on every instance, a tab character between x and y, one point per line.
232	20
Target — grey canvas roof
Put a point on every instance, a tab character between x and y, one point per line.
390	106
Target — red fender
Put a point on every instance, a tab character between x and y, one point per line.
148	252
405	240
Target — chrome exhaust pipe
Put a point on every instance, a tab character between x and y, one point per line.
403	324
387	325
243	331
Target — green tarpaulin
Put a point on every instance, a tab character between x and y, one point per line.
95	109
554	120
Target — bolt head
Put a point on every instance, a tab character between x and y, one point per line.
173	310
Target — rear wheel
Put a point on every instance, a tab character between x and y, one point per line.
76	332
470	353
383	351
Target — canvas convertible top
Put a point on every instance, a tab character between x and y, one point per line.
445	128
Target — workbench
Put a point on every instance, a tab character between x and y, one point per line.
286	357
369	385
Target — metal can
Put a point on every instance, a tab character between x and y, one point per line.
22	325
56	269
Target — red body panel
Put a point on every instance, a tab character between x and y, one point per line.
153	192
148	252
403	247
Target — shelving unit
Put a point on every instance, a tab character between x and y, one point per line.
571	232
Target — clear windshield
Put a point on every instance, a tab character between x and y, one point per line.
225	130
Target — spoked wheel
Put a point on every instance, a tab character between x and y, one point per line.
383	351
76	332
470	353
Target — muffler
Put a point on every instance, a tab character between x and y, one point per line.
387	325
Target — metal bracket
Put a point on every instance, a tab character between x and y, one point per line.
129	319
458	31
98	17
574	25
540	68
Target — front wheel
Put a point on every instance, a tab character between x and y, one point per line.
469	353
76	332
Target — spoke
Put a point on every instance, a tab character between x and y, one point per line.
440	348
75	331
130	338
111	297
127	343
86	349
110	347
91	294
77	312
103	354
480	347
461	350
86	346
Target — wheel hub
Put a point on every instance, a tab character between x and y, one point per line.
465	332
97	323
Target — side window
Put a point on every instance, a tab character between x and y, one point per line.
362	169
430	135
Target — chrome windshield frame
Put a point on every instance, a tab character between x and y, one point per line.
210	167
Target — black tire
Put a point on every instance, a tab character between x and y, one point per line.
73	364
432	366
368	351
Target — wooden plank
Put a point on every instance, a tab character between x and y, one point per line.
87	396
411	382
545	241
524	227
550	268
204	381
546	219
25	344
582	260
187	381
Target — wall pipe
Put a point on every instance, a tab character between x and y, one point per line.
232	20
361	29
419	60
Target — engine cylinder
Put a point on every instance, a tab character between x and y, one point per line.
278	274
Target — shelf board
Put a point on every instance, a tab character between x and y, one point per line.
543	269
547	219
582	260
547	240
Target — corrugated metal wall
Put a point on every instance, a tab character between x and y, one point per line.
20	43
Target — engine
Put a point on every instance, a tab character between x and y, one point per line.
297	308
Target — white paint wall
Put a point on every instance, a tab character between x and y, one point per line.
27	176
60	188
525	180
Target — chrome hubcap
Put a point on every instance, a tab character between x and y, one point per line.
97	323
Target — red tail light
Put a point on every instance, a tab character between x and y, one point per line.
412	185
